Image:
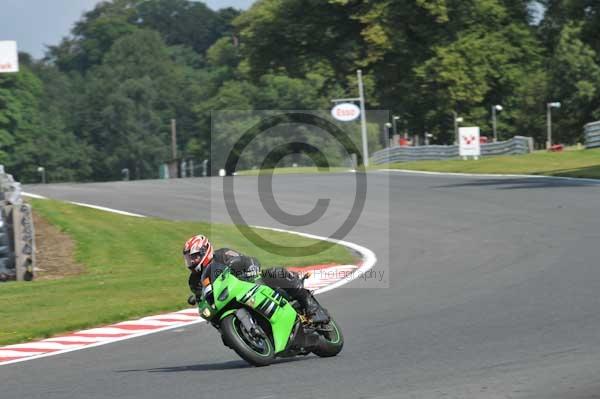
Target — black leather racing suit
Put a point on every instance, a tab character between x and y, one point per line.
248	268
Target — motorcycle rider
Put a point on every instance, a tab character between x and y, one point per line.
198	254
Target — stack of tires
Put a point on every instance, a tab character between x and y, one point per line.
7	258
17	244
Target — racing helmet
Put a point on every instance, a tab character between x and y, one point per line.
197	252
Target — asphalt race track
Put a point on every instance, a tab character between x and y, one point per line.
493	291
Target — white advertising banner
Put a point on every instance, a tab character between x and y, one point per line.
9	58
468	138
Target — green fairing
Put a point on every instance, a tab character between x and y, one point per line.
282	314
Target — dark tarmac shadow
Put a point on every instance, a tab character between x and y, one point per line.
229	365
526	183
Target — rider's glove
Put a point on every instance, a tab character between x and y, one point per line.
252	271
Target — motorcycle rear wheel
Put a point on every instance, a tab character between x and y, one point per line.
331	342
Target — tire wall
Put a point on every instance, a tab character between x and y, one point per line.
17	238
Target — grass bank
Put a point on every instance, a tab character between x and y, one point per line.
133	267
575	163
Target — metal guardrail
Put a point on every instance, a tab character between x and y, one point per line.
516	145
592	135
17	238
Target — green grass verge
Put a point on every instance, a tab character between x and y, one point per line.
133	268
575	163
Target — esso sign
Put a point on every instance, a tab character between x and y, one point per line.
345	112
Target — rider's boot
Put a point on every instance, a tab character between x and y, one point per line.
316	312
293	285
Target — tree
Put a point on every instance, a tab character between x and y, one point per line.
576	76
479	69
296	37
132	127
32	133
64	155
19	112
94	35
130	100
559	13
182	22
571	32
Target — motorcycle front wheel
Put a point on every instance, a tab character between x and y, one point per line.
257	349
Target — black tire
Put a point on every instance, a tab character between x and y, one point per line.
331	343
258	353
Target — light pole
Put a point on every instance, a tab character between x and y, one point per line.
428	136
174	139
395	125
42	171
494	109
386	127
457	120
555	104
363	116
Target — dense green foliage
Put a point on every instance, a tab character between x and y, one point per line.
103	98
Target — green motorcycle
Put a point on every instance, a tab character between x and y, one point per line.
261	323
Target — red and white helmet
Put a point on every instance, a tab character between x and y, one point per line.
197	252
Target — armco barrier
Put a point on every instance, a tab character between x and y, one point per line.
516	145
17	239
592	135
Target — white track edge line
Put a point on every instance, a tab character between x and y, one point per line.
100	208
33	196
